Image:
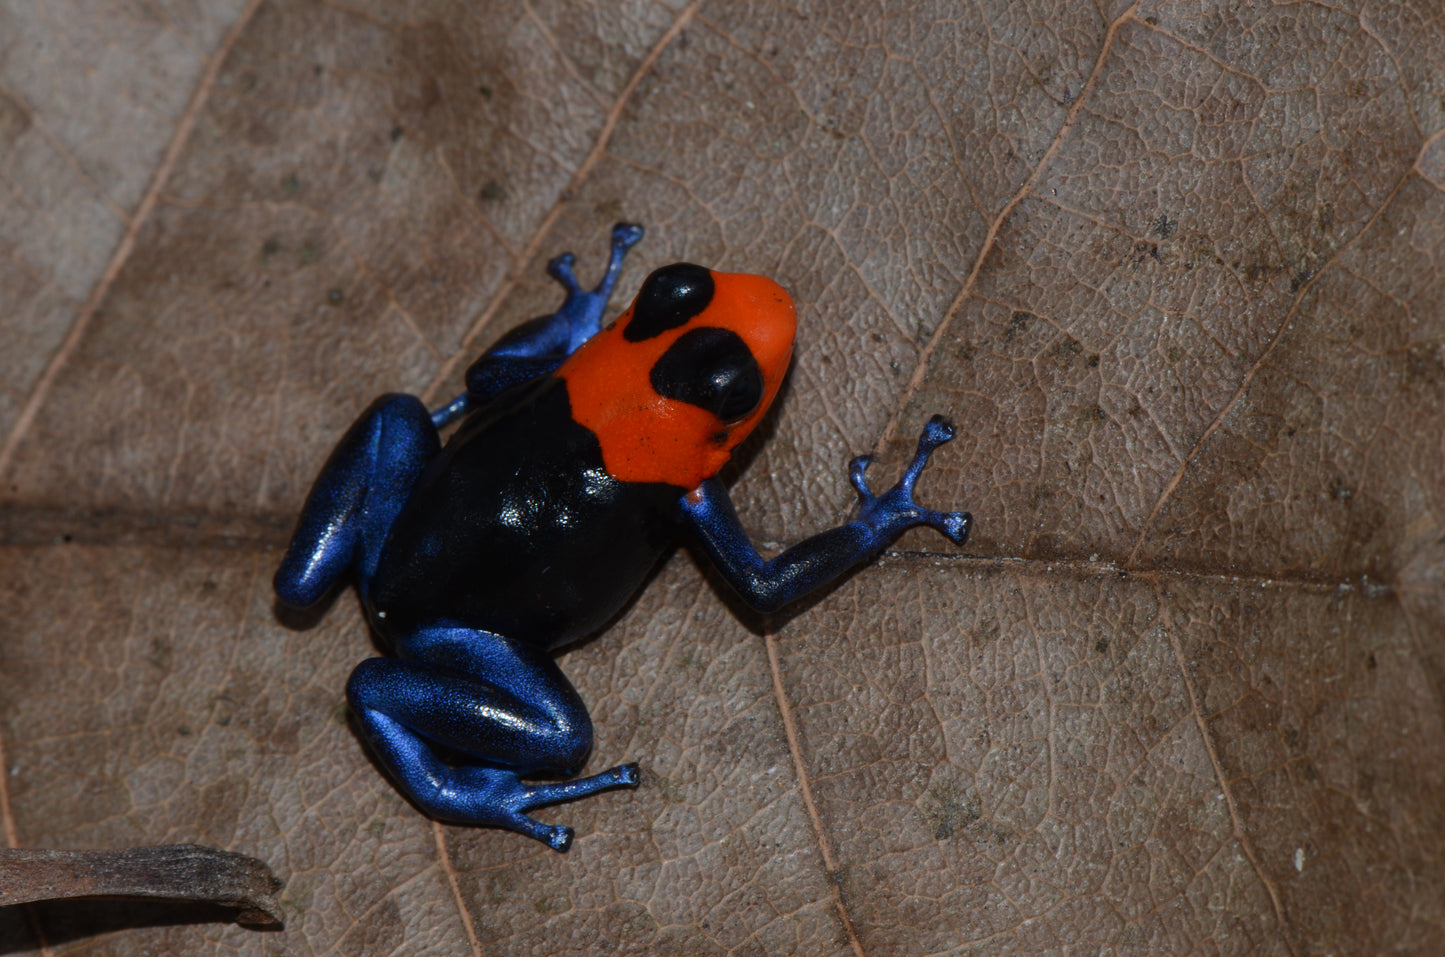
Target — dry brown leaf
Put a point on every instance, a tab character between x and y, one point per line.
1174	268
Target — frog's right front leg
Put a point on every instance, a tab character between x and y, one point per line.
769	584
501	709
355	499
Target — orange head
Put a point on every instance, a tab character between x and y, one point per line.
684	375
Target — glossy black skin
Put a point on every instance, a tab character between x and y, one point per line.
475	559
520	537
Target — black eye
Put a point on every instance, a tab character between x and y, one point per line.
712	369
669	297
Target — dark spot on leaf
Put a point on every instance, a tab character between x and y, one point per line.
1143	249
431	93
1045	547
1017	323
950	809
1257	272
500	887
1424	363
1065	353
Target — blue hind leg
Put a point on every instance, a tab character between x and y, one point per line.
540	345
356	498
502	709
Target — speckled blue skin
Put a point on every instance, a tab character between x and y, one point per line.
476	559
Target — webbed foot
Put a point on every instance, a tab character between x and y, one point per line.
583	308
497	797
894	510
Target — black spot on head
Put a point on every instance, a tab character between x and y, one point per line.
710	368
670	297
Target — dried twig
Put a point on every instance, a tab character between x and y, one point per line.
186	872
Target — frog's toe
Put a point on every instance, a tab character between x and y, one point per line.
560	269
626	235
936	432
956	525
559	837
858	475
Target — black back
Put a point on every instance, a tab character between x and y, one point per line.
516	528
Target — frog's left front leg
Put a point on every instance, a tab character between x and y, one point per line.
768	585
538	346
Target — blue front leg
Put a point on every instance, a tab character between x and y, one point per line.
768	585
538	346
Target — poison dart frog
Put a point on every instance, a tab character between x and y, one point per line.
581	454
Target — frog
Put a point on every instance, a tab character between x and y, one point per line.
580	456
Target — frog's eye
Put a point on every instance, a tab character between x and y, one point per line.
713	369
669	298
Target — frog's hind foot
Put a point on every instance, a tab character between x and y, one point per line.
497	797
502	710
556	836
